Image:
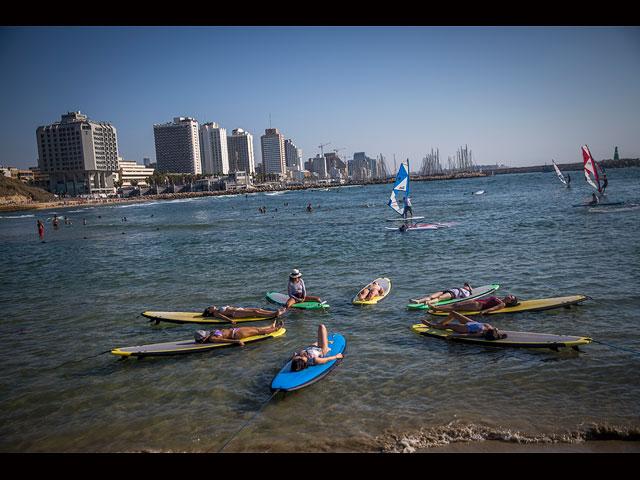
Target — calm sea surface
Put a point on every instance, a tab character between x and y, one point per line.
68	301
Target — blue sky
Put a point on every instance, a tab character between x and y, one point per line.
514	95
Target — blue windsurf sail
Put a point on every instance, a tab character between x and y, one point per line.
400	189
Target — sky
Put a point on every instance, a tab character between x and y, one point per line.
515	96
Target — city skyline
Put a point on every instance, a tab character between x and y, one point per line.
518	96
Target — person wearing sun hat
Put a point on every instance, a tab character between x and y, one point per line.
297	290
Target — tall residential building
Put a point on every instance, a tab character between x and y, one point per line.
80	156
213	148
240	150
292	156
178	146
272	144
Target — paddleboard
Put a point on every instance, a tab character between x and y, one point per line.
385	283
476	292
530	305
185	346
601	204
424	226
193	317
286	380
281	299
513	340
402	219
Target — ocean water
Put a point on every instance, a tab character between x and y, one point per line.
68	301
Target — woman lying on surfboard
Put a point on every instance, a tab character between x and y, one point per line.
466	327
229	313
315	354
235	335
451	294
372	291
297	291
480	305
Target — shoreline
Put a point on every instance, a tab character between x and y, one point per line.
19	207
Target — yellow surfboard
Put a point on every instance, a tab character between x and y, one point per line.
194	317
529	305
385	283
185	346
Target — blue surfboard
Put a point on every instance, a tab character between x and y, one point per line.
286	380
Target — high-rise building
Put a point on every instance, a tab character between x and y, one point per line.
272	144
178	146
292	156
240	150
213	147
80	156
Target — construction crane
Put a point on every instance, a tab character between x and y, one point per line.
321	150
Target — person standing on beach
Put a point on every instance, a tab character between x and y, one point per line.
40	229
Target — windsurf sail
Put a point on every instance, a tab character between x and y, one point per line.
592	171
400	190
559	173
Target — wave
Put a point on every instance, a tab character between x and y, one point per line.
17	216
432	437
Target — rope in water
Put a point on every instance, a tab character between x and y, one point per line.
247	422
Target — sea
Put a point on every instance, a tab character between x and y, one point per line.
74	295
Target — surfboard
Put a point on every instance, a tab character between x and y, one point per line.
193	317
513	339
530	305
402	219
185	346
385	283
476	292
281	299
424	226
601	204
287	381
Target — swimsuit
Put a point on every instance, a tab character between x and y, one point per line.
489	302
313	352
474	327
458	292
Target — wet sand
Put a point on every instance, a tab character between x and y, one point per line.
494	446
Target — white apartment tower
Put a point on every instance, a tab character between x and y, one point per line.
272	144
213	147
292	156
240	150
80	156
178	146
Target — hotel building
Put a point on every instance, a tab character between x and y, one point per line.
213	149
292	156
240	150
272	144
79	156
178	146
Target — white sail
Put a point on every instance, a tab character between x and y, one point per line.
591	169
559	173
400	191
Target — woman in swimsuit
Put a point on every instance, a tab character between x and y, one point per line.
229	313
297	291
315	354
466	327
451	294
374	290
235	335
480	305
